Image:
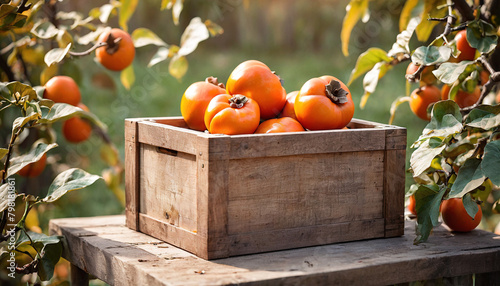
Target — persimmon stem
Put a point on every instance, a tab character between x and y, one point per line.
214	81
93	48
238	101
335	92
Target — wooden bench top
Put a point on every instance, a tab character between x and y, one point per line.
105	248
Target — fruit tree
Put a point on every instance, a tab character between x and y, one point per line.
40	98
453	44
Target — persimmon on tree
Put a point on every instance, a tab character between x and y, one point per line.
36	40
457	155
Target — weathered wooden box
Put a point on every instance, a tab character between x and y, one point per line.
219	196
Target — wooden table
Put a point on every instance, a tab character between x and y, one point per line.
106	249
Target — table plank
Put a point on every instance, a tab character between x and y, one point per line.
105	248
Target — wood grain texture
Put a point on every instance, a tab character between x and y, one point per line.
268	191
132	161
275	193
105	248
394	192
168	187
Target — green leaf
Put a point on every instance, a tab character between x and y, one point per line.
62	111
35	154
44	30
446	120
49	250
178	66
366	61
194	33
143	37
67	181
449	72
401	46
50	255
491	161
481	36
484	116
56	55
421	158
428	200
127	8
127	77
469	177
424	29
356	9
470	205
161	55
431	55
405	16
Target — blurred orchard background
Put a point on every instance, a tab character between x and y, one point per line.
298	39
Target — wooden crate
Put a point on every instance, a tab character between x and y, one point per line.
219	196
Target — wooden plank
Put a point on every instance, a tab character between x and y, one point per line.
132	161
394	189
305	143
395	138
168	187
126	257
175	235
298	191
169	137
276	239
217	188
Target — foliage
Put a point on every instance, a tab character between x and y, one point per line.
458	152
38	42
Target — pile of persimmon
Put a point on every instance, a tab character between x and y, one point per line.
63	89
254	101
465	95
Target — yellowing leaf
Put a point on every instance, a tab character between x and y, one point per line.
406	14
127	77
176	10
47	73
56	55
143	37
213	28
424	29
126	10
395	104
178	66
194	33
354	11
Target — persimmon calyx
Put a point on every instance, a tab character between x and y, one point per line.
238	101
336	93
214	81
112	44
